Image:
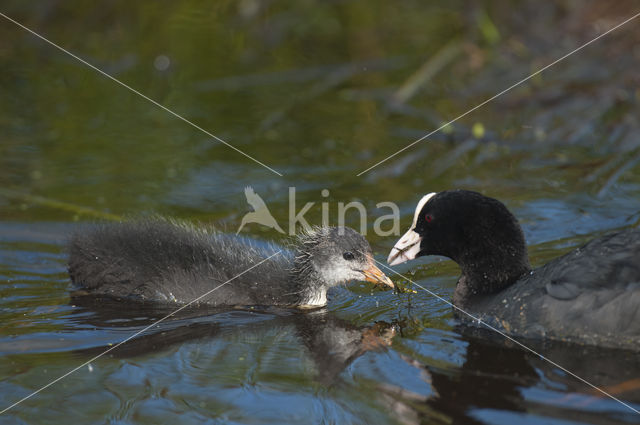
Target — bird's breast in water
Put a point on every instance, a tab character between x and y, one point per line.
317	299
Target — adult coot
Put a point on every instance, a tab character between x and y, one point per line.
159	260
590	295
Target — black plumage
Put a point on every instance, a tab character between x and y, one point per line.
590	295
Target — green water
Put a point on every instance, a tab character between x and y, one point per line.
318	92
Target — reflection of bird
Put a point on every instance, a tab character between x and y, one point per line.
590	295
260	214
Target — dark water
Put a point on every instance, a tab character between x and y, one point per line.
318	91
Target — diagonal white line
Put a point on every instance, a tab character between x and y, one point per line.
135	334
477	320
501	93
175	114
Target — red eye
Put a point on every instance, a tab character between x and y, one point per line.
428	218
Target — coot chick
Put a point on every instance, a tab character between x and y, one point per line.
590	295
163	261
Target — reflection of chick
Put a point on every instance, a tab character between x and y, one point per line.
260	214
377	337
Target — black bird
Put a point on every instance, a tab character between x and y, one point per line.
590	295
164	261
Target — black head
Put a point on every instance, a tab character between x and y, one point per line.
335	255
476	231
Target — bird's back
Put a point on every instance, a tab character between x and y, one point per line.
163	261
590	295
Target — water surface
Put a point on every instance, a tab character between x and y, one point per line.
318	91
